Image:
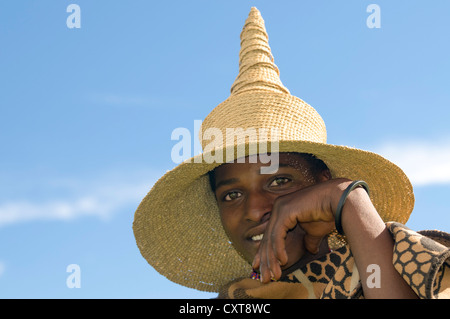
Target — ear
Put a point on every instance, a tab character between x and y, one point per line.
324	176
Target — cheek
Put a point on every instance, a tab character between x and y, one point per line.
230	224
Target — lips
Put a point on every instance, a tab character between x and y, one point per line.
256	234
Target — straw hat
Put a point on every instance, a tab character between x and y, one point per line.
177	225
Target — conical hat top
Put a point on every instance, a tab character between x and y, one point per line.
259	100
257	70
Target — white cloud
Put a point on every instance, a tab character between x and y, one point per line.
424	162
98	198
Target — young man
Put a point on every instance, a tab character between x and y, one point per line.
279	221
246	224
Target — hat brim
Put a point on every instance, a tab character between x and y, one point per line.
178	228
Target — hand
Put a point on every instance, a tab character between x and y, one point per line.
312	209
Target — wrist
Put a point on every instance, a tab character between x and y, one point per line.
349	194
335	192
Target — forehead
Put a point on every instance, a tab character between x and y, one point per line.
293	160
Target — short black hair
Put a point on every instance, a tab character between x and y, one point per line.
316	165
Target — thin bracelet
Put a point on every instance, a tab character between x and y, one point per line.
341	203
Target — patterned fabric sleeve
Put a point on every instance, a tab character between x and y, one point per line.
423	260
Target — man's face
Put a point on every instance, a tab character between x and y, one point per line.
246	197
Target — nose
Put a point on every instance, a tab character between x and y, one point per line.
258	206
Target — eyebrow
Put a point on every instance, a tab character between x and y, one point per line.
231	181
227	182
236	180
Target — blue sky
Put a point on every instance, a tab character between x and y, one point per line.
87	115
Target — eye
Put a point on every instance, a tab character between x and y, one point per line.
232	196
279	181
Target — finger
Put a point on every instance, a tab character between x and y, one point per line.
273	266
279	246
269	267
266	262
278	240
264	271
312	243
256	261
276	255
315	232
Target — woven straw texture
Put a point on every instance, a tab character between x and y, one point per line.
177	225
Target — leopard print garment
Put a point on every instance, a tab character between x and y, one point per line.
421	258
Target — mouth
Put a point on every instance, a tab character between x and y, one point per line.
256	234
257	237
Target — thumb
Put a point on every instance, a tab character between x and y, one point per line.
312	243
